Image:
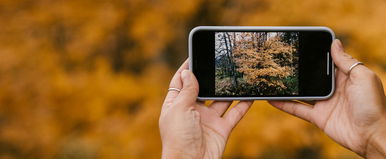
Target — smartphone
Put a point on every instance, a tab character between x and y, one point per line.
262	63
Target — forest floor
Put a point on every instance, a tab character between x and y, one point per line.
223	86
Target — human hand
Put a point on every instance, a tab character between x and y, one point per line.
188	128
355	115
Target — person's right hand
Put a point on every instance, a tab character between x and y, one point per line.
188	128
355	116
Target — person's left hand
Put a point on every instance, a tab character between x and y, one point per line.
188	128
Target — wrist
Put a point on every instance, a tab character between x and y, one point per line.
376	145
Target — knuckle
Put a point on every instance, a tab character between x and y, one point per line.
192	88
346	55
362	72
239	113
370	74
188	87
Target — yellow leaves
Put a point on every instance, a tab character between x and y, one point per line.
157	24
60	93
144	32
260	66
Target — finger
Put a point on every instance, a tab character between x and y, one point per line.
189	91
176	80
307	102
341	59
236	113
220	107
297	109
340	80
175	83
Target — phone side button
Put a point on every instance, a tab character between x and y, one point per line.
328	63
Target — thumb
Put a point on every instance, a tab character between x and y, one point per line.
189	91
341	59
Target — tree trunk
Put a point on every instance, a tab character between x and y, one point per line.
232	63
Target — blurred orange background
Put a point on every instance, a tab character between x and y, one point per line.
85	79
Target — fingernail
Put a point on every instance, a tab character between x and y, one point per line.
339	45
185	74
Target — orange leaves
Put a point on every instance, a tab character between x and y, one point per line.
60	88
256	63
59	80
261	65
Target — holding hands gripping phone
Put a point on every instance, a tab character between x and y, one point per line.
354	116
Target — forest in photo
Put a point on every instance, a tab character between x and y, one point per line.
256	63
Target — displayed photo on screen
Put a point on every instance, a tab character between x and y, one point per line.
256	63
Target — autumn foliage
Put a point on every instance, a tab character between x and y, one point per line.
85	79
257	63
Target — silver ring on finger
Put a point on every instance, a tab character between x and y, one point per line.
353	66
174	89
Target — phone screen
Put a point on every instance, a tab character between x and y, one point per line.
234	63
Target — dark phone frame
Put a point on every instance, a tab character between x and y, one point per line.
201	53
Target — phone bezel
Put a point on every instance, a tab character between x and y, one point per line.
263	28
